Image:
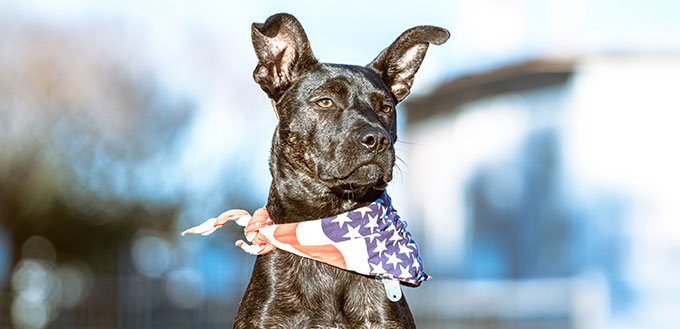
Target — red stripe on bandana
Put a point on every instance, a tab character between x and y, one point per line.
287	233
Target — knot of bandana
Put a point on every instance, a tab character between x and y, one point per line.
370	240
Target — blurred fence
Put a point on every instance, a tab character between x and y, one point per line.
133	302
141	302
568	303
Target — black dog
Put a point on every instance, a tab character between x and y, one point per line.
333	151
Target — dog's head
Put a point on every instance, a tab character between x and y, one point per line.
337	123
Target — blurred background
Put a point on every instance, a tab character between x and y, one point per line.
540	173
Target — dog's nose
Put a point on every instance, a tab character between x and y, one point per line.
375	139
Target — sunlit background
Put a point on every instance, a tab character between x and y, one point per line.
539	145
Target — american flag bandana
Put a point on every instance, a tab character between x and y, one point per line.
370	240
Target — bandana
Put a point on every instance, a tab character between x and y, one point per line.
370	240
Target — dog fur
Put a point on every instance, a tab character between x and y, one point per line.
332	152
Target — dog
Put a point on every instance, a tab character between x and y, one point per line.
332	152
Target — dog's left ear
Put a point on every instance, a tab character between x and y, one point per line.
398	63
283	52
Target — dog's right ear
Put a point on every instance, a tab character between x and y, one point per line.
283	53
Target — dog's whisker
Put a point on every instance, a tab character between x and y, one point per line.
401	160
400	171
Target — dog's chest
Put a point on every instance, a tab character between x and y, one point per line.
309	294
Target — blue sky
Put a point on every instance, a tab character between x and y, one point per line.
202	49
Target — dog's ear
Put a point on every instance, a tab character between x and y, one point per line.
398	63
283	52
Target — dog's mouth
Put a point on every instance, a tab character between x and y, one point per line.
361	178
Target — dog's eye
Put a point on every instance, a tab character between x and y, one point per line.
386	108
325	102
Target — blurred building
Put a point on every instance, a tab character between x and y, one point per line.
541	188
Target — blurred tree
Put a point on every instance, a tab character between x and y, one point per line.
81	126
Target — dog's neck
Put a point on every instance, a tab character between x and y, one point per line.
285	206
296	196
